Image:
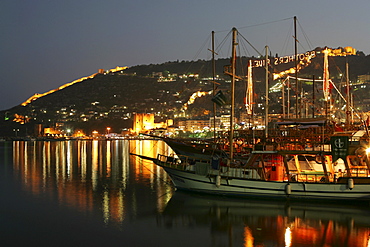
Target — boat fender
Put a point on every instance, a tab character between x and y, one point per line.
351	183
218	181
288	189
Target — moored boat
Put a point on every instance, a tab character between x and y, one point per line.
308	161
280	174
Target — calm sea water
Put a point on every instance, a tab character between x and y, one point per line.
93	193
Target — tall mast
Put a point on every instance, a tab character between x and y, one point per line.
313	96
214	84
296	69
283	97
249	90
249	96
233	64
288	96
348	106
326	86
267	93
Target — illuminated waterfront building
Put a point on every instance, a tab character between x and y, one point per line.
143	122
193	124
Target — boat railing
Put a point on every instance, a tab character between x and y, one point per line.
209	167
311	177
269	171
320	177
360	172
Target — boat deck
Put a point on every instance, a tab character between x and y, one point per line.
279	166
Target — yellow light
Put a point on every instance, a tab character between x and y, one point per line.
37	95
367	151
193	97
288	237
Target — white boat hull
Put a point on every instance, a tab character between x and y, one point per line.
241	187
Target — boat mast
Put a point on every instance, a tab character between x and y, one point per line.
313	96
283	97
232	92
249	90
288	96
326	86
214	85
348	106
267	93
296	69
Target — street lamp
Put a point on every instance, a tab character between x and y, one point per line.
108	129
16	132
95	134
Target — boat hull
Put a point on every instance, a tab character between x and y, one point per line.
239	187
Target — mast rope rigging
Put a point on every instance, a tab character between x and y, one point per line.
265	23
284	49
197	53
306	38
223	42
335	87
250	44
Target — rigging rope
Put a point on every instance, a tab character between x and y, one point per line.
152	150
265	23
250	44
286	41
306	37
155	174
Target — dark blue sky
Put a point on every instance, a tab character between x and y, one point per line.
47	43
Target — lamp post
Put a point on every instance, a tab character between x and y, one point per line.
108	130
95	134
16	132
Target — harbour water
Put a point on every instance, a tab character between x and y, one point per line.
93	193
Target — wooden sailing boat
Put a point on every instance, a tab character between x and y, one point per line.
298	166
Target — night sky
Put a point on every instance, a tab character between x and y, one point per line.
47	43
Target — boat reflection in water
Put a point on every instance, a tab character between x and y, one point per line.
133	199
261	223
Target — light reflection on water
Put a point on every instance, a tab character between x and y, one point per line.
235	222
131	201
84	174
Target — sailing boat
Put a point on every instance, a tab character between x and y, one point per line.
301	165
206	149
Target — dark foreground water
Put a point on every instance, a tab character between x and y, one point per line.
93	193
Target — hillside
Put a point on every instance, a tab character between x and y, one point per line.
111	99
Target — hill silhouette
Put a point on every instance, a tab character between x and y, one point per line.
111	99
